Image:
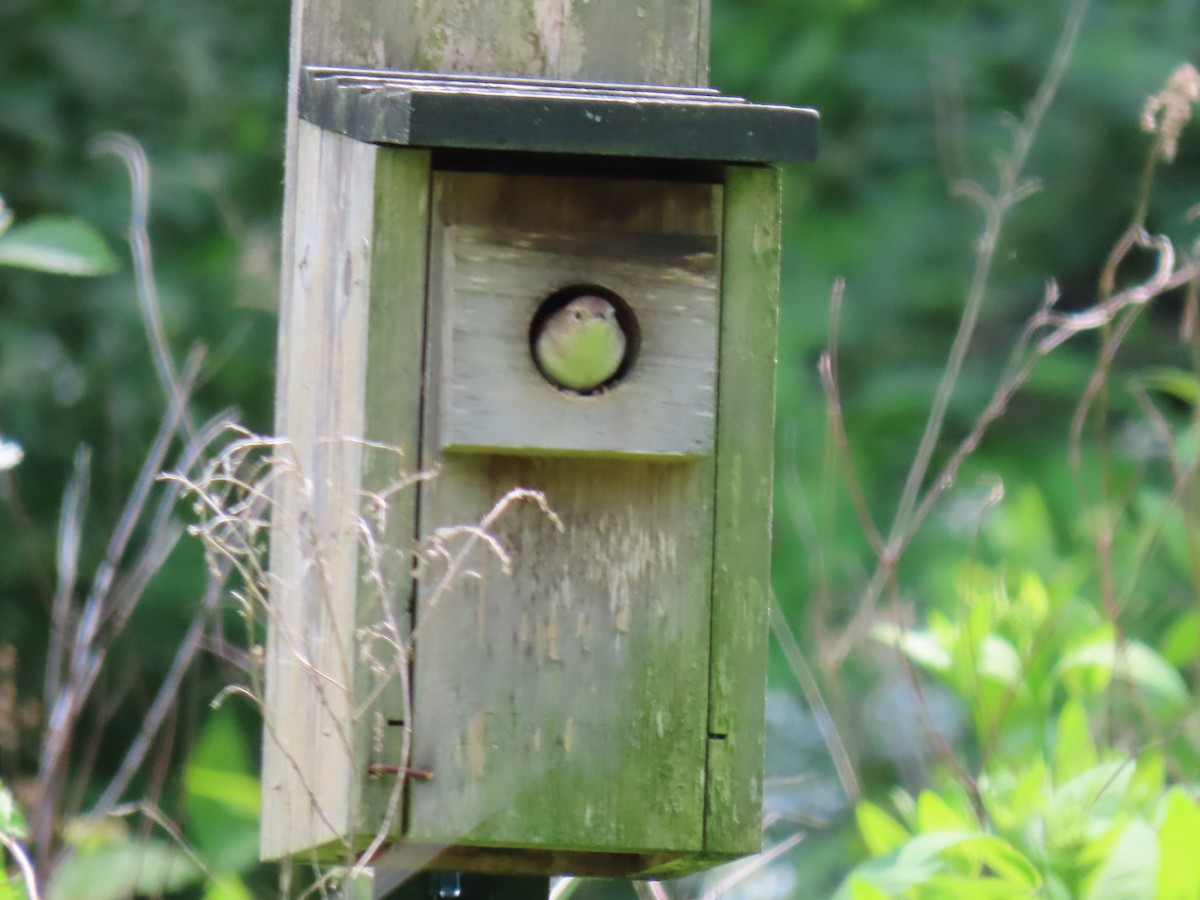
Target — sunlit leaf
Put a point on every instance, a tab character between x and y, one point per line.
1001	661
1181	643
12	820
123	869
56	244
880	832
1131	870
974	887
1099	792
1012	797
227	887
1074	751
934	814
1179	840
222	799
863	889
920	860
905	806
1033	597
918	645
237	792
1133	662
1149	778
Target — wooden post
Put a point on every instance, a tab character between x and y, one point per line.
335	198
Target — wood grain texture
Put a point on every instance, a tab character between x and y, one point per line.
558	706
745	455
392	422
310	769
650	41
564	706
491	281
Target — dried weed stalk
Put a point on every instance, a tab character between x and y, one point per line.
233	502
1112	315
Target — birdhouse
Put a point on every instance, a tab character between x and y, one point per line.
518	285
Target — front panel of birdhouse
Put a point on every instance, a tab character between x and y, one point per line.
596	695
562	704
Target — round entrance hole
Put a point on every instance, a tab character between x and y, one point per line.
584	339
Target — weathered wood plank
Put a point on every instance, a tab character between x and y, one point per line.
492	281
745	454
647	41
558	706
392	423
310	784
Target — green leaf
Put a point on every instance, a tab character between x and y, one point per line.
1033	598
1179	383
239	793
222	798
1012	796
880	832
122	869
56	244
974	887
906	808
919	861
1149	777
1179	838
12	820
1074	751
934	814
1131	870
919	645
1001	662
1099	792
1181	643
1135	663
862	889
227	887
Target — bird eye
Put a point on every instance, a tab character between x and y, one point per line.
577	315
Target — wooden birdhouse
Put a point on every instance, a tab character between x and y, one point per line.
593	705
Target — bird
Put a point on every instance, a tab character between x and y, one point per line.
581	346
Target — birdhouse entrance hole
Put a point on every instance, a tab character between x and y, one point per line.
593	300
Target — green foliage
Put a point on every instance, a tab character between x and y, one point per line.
12	820
1073	720
53	244
221	795
1072	822
217	846
124	867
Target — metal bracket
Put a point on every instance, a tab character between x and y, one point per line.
525	115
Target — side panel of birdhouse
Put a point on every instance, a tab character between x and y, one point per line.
311	752
561	664
745	454
391	473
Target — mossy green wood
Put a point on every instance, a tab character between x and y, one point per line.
742	550
392	402
564	706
